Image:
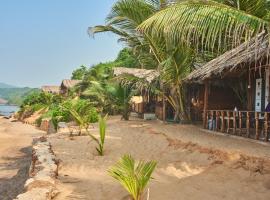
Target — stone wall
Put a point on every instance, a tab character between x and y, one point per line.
43	173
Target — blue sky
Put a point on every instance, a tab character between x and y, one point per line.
41	42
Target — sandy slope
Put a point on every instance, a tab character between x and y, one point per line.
15	156
217	167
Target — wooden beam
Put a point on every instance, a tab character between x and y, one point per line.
205	106
248	124
266	127
163	107
257	125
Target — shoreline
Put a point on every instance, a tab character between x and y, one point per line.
15	156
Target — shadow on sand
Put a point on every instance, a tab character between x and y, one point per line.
11	187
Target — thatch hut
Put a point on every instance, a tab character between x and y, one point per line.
67	84
233	89
143	104
51	89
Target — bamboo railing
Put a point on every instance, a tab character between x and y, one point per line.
249	124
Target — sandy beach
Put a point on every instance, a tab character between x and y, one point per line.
15	156
192	164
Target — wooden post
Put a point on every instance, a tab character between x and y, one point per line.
217	120
248	124
163	107
228	121
240	122
257	125
222	121
205	107
266	135
234	122
207	119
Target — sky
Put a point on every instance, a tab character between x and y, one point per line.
43	41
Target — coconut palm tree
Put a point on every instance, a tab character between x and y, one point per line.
209	25
124	18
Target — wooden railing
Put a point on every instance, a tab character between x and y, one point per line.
243	123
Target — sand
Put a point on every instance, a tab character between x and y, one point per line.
192	164
15	156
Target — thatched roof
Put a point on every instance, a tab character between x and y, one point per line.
146	74
249	52
69	83
51	89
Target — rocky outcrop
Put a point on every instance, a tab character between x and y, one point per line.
43	173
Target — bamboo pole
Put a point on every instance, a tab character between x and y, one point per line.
228	121
266	126
217	120
257	125
222	121
240	122
234	122
205	107
248	124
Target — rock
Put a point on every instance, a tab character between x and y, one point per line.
43	172
47	125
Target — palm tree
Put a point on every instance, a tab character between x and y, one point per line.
209	25
125	17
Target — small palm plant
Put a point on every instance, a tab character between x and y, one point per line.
133	177
102	134
84	123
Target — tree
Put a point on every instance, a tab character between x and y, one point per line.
124	17
214	26
79	73
126	58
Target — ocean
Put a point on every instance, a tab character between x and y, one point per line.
7	110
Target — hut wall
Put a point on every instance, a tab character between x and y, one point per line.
223	99
138	108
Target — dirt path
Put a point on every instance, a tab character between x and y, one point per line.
15	156
192	164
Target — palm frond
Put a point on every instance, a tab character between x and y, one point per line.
208	24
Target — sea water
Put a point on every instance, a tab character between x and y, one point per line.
7	110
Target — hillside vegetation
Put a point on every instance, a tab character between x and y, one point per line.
15	95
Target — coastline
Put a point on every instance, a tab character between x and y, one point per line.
15	156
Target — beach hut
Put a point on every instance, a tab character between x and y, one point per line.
50	89
232	91
145	104
67	84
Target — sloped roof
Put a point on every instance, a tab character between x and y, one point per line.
51	89
70	83
248	52
147	74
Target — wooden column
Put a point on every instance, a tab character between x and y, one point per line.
222	121
266	126
163	107
257	125
228	121
234	122
217	120
205	106
240	122
248	124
